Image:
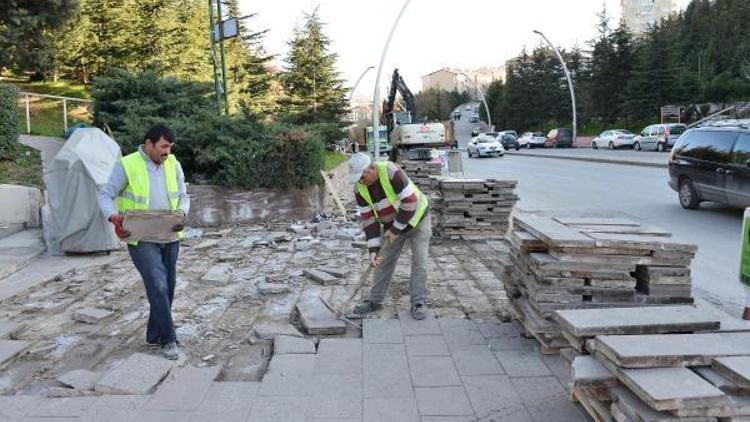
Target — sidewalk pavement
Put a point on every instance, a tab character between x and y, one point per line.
401	370
623	157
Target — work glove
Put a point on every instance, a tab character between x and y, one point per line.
117	220
179	227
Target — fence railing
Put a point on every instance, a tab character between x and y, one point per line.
65	100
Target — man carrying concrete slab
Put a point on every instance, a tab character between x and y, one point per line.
151	179
391	207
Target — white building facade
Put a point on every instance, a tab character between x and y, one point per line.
639	15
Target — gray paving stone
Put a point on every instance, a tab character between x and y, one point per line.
311	419
319	276
433	371
75	407
461	332
233	397
413	327
382	331
337	272
513	343
224	416
537	389
317	319
390	410
288	376
91	315
559	368
476	360
339	356
115	408
522	363
80	379
558	409
736	368
493	397
498	329
335	407
449	419
43	419
272	288
386	372
14	408
426	346
10	349
218	275
185	390
288	345
287	409
587	370
442	401
9	329
269	330
138	374
162	416
292	365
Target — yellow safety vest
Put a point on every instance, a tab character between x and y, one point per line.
390	194
136	194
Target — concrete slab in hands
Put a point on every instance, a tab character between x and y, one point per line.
138	374
284	345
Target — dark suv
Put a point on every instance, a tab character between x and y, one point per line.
712	164
560	137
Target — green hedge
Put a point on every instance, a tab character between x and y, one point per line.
8	121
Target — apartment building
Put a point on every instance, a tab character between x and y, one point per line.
639	15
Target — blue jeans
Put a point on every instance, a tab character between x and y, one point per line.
157	264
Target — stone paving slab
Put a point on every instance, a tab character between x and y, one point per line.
57	408
339	356
288	345
386	372
382	331
494	397
433	371
185	389
80	379
443	401
518	363
269	330
476	360
317	319
138	374
91	315
413	327
461	332
390	410
426	346
273	409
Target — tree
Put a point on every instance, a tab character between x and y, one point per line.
313	88
25	27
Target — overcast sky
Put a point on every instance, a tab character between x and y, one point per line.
432	33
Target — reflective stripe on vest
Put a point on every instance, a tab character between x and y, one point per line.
136	194
391	196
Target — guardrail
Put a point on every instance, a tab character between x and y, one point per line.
57	97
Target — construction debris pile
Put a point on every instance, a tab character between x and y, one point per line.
420	172
472	208
674	363
591	262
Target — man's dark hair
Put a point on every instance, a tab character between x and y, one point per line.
159	131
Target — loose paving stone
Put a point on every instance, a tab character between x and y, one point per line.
521	363
413	327
218	275
386	331
317	319
390	410
59	408
426	346
337	272
138	374
273	288
269	330
286	345
476	360
386	372
10	349
671	388
443	401
80	379
493	397
185	390
643	320
433	371
10	329
287	409
91	315
319	276
587	370
736	368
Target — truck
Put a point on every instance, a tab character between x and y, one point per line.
385	147
409	139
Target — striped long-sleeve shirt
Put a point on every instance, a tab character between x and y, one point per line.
395	221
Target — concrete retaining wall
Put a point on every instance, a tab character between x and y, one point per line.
20	205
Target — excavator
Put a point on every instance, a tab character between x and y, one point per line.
409	140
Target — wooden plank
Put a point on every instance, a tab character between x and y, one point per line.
640	320
335	195
655	350
552	232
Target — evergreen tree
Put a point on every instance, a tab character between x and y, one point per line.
313	88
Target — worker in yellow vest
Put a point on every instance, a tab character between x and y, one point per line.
151	179
391	207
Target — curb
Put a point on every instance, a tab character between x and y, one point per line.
594	160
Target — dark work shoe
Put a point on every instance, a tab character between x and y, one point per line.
367	306
419	311
170	351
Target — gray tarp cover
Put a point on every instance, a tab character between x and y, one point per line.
73	181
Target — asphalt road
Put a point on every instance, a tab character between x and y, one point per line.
643	194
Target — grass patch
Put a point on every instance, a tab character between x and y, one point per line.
333	159
25	169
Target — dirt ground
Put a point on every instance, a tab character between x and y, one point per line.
215	323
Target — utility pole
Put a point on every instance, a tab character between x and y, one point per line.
223	60
216	31
212	35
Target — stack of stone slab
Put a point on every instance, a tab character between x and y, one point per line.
420	172
469	208
591	262
672	363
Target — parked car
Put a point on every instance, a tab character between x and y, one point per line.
509	139
712	163
614	138
485	145
468	107
559	138
532	140
661	137
474	119
475	131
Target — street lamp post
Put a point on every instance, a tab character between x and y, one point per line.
376	95
570	81
481	95
356	84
